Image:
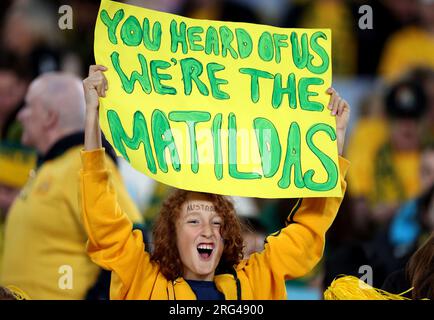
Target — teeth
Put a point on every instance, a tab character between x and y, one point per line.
205	246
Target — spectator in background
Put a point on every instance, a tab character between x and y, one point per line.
16	161
44	231
336	15
13	84
388	173
31	32
410	47
373	123
397	162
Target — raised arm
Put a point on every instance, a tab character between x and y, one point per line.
341	110
95	86
112	243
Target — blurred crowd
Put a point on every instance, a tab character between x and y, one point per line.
386	73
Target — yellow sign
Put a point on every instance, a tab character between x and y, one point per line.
219	107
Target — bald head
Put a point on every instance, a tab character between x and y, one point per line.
55	108
61	93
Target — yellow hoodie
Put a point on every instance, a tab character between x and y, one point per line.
112	244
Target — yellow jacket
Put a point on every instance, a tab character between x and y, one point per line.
290	253
44	237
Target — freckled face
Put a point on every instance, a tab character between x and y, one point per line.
199	241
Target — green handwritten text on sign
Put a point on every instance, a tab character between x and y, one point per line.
221	107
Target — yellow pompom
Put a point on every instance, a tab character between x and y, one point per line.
18	293
352	288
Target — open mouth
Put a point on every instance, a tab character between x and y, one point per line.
205	250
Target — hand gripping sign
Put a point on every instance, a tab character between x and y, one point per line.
220	107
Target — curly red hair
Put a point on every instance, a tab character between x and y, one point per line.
165	229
